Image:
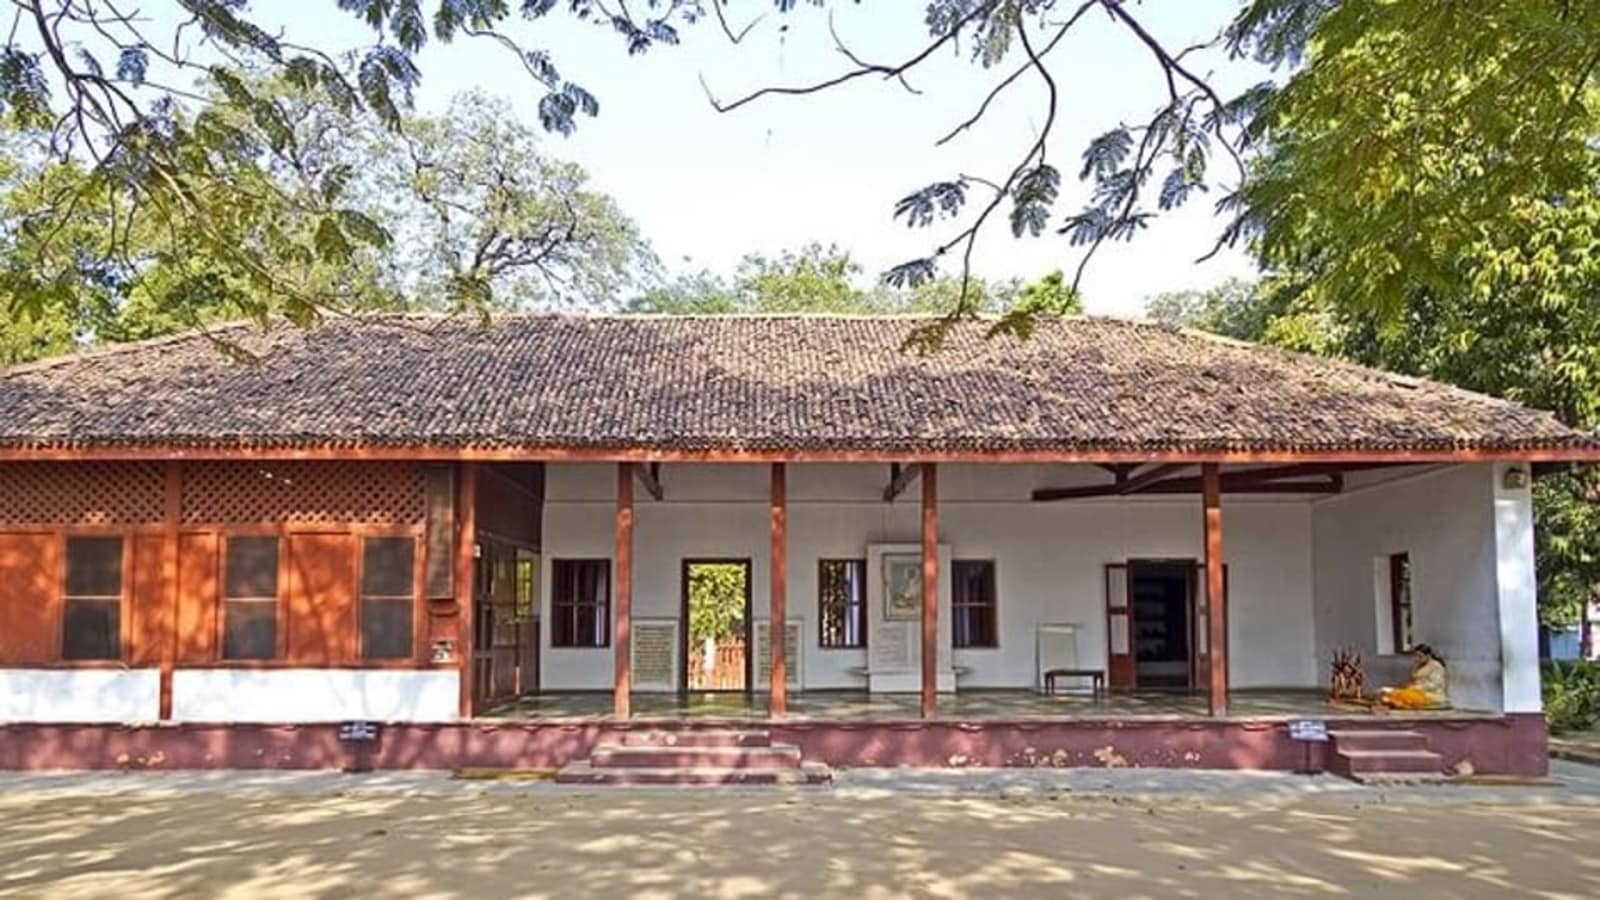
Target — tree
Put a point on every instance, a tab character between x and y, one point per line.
468	213
826	279
716	600
102	82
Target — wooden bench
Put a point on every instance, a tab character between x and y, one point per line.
1097	679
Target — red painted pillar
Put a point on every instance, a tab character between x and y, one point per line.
1216	593
778	704
171	534
622	684
930	589
466	599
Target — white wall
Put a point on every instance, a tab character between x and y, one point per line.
80	695
315	695
1445	520
1049	557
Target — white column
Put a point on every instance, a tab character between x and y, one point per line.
1517	591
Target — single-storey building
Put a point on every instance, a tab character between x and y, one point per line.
1111	543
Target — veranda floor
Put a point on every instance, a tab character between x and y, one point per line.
969	705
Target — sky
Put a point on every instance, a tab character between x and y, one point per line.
707	188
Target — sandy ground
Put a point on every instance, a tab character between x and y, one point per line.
104	838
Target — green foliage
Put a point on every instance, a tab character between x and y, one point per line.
461	211
717	593
1424	145
827	280
1571	696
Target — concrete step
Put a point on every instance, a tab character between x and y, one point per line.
584	773
1400	779
647	756
697	738
1388	762
1376	739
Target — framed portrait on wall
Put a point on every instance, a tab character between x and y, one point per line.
902	587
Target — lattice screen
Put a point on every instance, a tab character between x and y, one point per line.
48	493
303	493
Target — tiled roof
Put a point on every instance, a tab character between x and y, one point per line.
779	383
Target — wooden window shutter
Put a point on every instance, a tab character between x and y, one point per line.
439	558
30	619
322	598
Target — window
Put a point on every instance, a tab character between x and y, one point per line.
91	625
1400	601
842	602
972	602
250	598
527	584
388	578
580	603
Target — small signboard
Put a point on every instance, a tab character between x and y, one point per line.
1312	730
358	732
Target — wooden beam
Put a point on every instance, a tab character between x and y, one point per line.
466	562
900	478
1297	470
622	646
254	452
1327	484
1216	591
778	701
1131	484
650	477
1272	480
930	591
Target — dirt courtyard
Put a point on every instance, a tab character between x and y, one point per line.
540	842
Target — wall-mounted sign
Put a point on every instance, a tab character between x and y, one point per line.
358	732
1314	730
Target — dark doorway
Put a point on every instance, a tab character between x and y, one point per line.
716	625
1163	603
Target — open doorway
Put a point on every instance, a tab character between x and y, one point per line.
716	624
1162	606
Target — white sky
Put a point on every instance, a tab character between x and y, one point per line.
707	188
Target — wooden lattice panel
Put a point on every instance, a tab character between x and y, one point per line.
303	493
80	493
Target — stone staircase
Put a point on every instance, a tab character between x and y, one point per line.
1384	757
695	757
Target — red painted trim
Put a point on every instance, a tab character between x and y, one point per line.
536	453
1508	745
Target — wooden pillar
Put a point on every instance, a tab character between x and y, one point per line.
930	589
622	647
778	703
171	524
1216	593
465	589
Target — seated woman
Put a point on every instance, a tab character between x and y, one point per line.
1428	687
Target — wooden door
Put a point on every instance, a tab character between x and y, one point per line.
1200	635
1120	662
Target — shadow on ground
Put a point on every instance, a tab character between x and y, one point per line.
780	843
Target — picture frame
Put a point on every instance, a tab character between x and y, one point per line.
902	587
